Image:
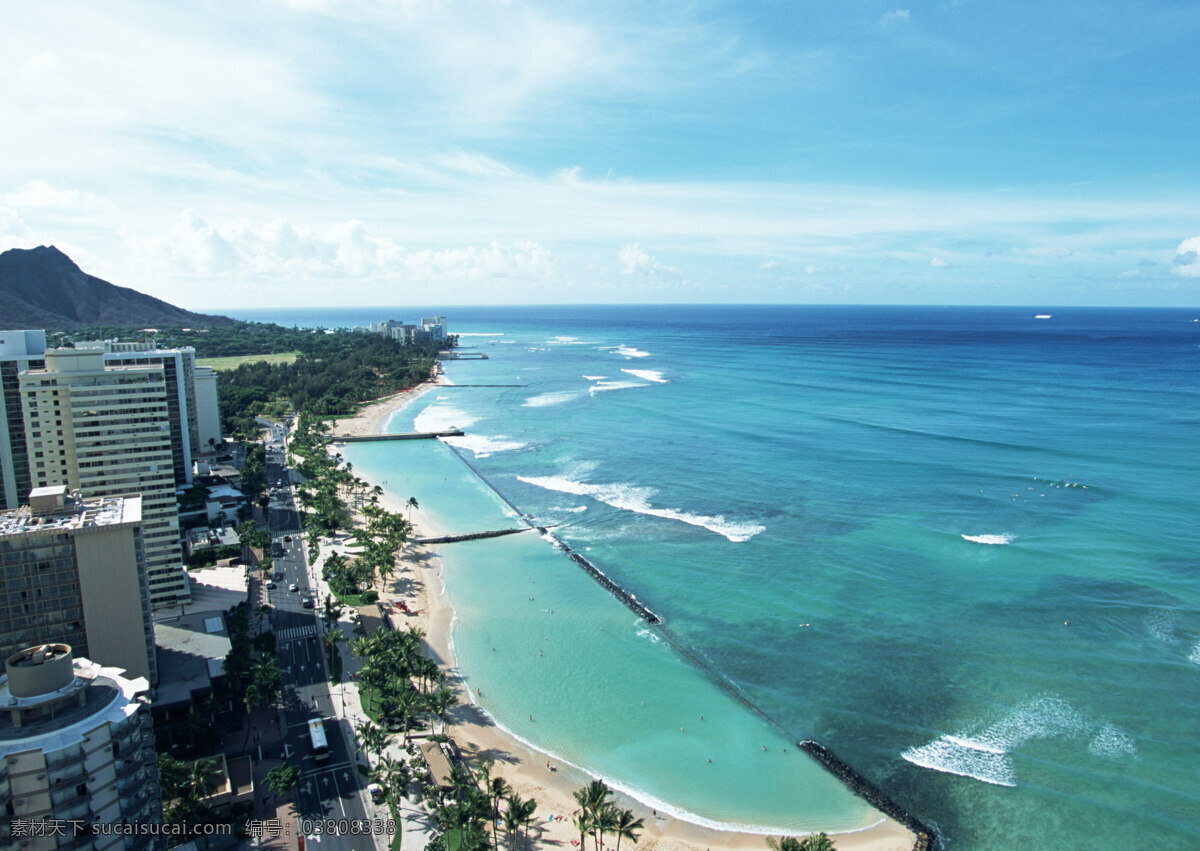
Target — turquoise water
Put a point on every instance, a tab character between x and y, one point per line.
987	522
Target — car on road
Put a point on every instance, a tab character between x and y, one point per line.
306	601
293	587
270	583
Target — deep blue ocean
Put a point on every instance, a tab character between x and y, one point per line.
958	546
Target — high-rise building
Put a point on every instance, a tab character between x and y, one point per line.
179	367
76	754
208	409
19	350
105	430
72	572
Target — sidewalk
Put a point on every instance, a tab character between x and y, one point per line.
414	818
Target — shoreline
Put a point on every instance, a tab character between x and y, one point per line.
530	771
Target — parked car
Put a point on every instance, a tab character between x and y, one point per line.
306	602
376	792
270	583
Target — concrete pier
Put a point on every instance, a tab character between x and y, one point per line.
417	435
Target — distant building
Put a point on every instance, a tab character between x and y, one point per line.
19	350
208	410
431	328
72	572
75	749
105	430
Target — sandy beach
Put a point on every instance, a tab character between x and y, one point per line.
529	772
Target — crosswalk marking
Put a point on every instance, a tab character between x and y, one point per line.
297	632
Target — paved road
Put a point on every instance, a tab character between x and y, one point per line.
331	794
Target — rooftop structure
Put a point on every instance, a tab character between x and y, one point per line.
76	749
73	572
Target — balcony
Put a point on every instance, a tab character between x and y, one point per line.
65	761
73	777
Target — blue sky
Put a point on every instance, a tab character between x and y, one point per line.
436	151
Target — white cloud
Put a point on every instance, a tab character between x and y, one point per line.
280	251
39	193
896	16
1187	258
938	263
634	260
769	264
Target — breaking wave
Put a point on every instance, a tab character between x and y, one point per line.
482	446
985	754
637	499
607	386
545	400
631	352
994	540
647	375
442	418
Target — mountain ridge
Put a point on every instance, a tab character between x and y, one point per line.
43	288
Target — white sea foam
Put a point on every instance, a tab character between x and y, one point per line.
1194	656
985	753
989	539
1111	743
608	386
568	509
631	352
479	334
545	400
1161	625
595	377
650	635
637	499
442	418
483	446
647	375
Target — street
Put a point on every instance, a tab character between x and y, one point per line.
330	799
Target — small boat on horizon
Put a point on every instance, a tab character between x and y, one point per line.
1042	316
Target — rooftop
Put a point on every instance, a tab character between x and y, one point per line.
70	512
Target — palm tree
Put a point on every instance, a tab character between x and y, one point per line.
627	827
817	842
412	503
496	791
594	810
282	779
512	822
371	738
392	774
250	698
784	843
526	811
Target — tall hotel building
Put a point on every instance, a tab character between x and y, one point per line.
76	754
73	573
179	374
19	350
105	430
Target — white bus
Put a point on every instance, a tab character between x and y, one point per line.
316	735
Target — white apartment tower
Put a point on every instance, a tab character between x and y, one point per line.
76	754
179	371
105	430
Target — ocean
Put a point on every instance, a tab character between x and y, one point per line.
958	546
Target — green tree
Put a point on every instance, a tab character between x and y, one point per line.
282	779
627	827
